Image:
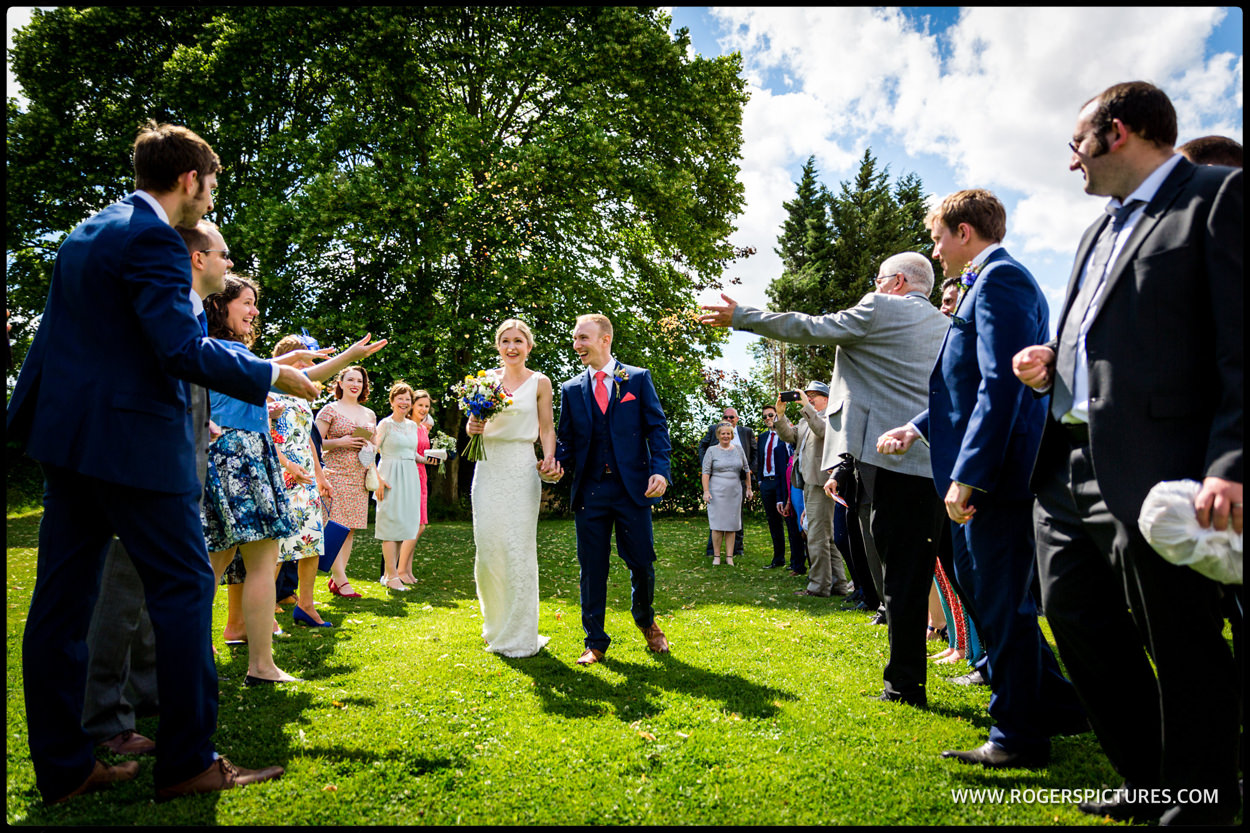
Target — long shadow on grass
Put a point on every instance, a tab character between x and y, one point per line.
575	692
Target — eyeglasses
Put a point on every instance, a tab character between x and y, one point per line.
876	280
1075	144
225	253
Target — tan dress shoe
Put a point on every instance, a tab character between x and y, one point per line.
101	776
590	657
220	775
656	640
129	742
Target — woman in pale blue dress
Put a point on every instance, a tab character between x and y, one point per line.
398	517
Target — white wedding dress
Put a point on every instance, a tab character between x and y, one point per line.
505	493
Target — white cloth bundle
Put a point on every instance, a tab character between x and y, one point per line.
1170	525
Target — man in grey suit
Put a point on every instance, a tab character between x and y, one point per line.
121	648
886	346
826	573
1146	380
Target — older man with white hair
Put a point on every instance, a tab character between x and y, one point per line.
886	346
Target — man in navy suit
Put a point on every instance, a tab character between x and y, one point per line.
102	403
983	429
614	433
1146	379
772	458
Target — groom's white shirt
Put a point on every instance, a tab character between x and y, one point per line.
607	368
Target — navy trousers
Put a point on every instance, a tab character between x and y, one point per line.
164	538
607	507
994	564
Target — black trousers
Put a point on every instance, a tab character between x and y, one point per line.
906	518
772	492
1111	599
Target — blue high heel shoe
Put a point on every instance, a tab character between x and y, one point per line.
303	618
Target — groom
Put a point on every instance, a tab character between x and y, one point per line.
613	430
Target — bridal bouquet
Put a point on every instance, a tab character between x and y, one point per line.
480	396
444	442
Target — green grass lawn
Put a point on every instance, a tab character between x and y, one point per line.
762	714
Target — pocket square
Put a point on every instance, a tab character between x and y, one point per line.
629	397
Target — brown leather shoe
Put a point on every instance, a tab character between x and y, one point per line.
590	657
220	775
129	742
655	638
101	776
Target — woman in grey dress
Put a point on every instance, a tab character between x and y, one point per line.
722	490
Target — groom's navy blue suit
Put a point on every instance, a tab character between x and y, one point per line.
983	427
102	403
613	454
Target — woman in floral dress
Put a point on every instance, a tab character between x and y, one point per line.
337	423
305	483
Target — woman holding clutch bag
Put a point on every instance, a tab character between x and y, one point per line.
346	426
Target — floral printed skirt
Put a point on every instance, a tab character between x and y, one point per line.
245	498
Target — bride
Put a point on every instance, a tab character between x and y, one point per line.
505	495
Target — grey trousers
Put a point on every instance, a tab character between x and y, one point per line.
826	572
121	652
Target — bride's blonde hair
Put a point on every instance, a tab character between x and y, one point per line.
518	325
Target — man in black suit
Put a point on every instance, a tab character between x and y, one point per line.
1146	383
771	459
743	438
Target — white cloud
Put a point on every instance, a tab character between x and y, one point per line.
994	95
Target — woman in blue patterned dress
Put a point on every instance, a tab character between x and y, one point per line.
245	502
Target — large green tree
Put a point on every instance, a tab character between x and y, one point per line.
421	173
830	244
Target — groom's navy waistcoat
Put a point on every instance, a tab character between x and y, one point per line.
601	451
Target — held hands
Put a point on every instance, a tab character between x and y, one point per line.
897	440
656	486
1034	366
326	490
294	382
549	470
1218	502
719	316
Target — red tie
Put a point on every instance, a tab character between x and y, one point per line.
601	391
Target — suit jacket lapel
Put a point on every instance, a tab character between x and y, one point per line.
1082	254
588	397
1145	224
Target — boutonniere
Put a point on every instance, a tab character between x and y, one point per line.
619	377
968	277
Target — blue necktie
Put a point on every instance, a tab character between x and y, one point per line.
203	319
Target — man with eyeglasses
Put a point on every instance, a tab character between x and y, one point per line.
1146	381
744	438
885	347
771	463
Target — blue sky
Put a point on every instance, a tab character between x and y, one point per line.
971	97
